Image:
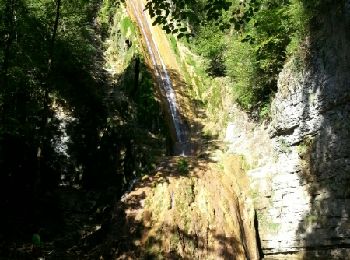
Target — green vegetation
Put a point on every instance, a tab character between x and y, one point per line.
247	41
36	241
70	116
208	92
253	54
77	105
310	219
173	44
182	166
305	147
265	221
285	147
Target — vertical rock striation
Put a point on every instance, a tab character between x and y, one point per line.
303	193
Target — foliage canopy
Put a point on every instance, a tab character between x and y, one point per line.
247	40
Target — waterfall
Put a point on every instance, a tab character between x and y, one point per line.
163	76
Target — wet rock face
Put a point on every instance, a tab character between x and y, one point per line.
309	187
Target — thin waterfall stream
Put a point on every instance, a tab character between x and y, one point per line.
163	77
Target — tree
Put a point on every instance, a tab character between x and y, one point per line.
46	102
8	36
245	40
176	16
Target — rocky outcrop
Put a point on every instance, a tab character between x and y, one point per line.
302	192
188	209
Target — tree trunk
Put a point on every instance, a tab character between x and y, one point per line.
9	32
53	36
136	79
41	149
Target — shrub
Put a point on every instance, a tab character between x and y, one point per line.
182	166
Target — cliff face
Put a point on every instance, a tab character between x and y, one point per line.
303	204
299	181
193	207
188	209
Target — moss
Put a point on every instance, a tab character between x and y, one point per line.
245	165
203	87
254	194
173	44
285	147
302	149
126	25
158	204
153	248
118	54
174	241
305	147
220	166
310	219
273	227
266	224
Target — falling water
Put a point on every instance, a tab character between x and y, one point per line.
163	75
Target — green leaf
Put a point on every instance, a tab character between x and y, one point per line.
180	35
36	240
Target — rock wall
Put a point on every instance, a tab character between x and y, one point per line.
187	209
302	192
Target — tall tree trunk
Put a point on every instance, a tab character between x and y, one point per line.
136	79
8	39
9	33
53	36
41	149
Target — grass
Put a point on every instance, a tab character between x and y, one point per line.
173	44
182	166
125	25
284	146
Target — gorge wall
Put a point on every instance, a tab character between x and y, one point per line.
301	176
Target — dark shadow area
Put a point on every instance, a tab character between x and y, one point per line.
325	229
258	239
63	190
72	141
